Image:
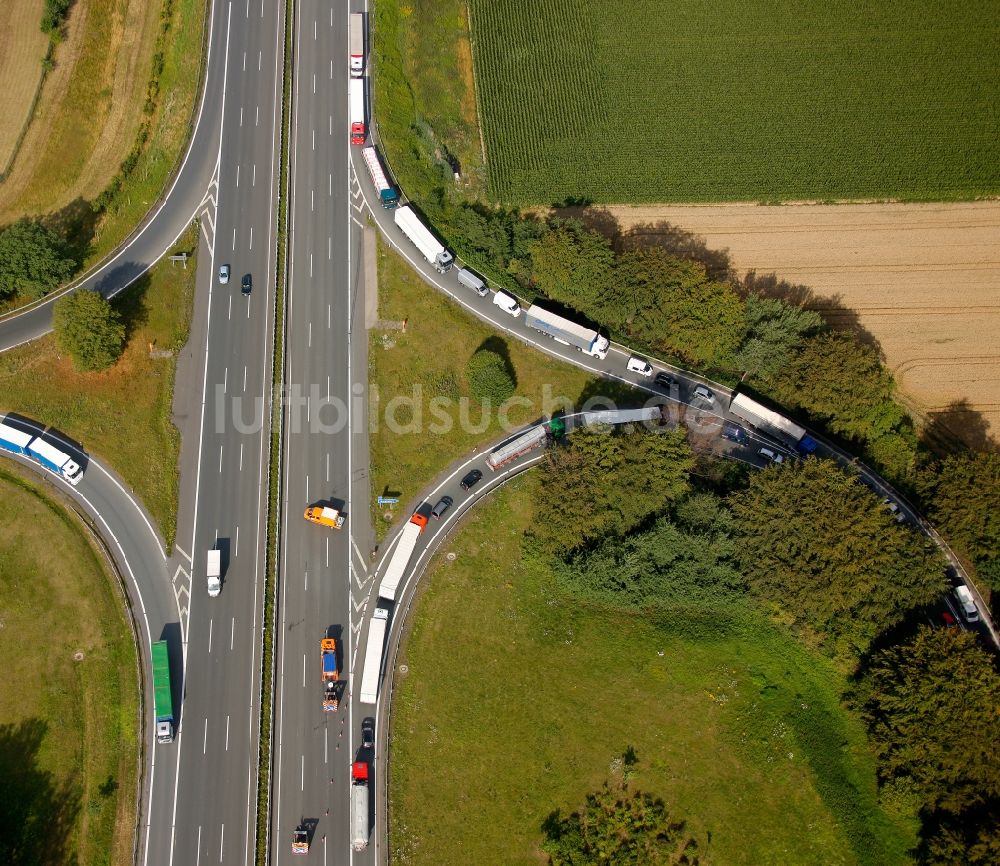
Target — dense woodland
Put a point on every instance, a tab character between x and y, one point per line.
808	544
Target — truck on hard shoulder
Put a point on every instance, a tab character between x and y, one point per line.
421	237
324	516
359	805
356	100
373	655
587	340
387	194
773	424
162	702
329	672
401	556
357	44
213	572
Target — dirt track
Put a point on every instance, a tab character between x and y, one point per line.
923	280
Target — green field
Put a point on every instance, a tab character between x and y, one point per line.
690	101
518	701
69	698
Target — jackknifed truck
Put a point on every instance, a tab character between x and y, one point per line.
421	237
328	668
162	703
387	194
359	805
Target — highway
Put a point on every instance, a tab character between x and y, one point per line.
324	459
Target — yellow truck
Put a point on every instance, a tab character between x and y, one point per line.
324	516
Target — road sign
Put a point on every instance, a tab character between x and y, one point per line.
387	500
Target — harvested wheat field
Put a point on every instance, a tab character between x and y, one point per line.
922	279
22	49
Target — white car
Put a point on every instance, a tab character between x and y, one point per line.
773	456
704	393
639	365
224	274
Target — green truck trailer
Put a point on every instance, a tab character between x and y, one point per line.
162	703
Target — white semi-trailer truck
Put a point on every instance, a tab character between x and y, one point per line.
566	332
357	36
420	236
373	656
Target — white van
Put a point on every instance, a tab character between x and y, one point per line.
506	303
639	365
966	604
213	571
471	281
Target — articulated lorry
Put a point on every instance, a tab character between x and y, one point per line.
373	656
48	455
359	805
356	100
770	422
357	42
162	703
329	672
420	236
533	438
568	333
387	194
401	556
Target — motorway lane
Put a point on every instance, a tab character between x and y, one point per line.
214	817
171	216
312	748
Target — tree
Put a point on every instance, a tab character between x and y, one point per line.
572	265
489	378
963	499
971	838
843	383
608	481
618	827
33	259
931	709
774	330
670	305
89	330
821	550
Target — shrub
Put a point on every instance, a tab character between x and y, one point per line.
89	330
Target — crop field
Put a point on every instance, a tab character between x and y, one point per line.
22	48
738	100
516	701
922	279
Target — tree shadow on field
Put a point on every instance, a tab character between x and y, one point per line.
957	428
37	815
681	243
498	345
830	307
132	305
77	222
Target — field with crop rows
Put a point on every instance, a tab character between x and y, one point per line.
737	100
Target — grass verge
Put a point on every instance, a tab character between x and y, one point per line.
421	411
69	699
525	701
122	415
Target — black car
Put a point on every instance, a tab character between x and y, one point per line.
368	733
664	380
471	479
444	503
734	433
247	285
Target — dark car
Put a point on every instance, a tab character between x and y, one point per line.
471	479
444	503
247	284
734	433
664	380
368	733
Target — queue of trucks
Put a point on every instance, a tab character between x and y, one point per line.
29	444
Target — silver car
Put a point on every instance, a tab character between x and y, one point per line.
224	274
